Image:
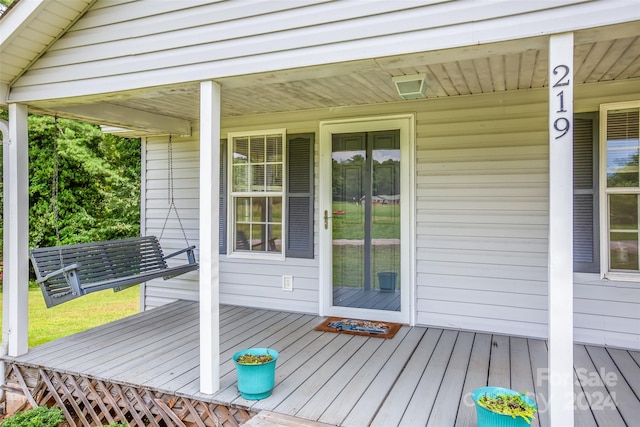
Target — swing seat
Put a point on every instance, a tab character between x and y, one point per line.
113	264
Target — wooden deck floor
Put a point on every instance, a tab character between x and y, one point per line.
421	377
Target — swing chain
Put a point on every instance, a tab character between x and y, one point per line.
170	195
55	182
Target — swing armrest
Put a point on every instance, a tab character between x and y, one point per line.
58	272
189	251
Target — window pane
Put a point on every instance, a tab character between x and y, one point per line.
240	150
242	239
623	237
240	177
257	178
622	167
257	149
624	251
243	209
259	209
623	212
622	148
274	177
275	209
274	148
275	238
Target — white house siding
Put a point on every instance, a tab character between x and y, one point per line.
482	219
127	45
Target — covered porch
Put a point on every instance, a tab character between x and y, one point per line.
145	368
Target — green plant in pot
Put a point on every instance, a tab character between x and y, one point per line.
256	369
502	407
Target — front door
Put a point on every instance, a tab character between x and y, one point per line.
362	222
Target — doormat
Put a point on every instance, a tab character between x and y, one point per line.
365	328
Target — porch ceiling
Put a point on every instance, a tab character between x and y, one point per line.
601	54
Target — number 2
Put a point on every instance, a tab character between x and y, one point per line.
560	81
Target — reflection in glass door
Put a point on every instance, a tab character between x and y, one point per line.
366	220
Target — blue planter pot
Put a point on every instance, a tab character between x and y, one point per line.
487	418
256	382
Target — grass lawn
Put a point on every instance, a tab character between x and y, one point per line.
48	324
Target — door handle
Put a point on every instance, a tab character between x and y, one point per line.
326	220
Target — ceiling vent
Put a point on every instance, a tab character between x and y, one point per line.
413	86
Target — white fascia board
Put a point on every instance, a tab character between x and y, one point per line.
18	17
125	117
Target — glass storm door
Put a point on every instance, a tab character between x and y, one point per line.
365	220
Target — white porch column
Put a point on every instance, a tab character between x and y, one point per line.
209	237
16	232
561	230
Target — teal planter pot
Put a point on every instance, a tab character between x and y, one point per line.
256	382
487	418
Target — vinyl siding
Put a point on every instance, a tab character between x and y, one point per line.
129	45
482	210
481	226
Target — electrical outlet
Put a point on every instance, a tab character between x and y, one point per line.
287	283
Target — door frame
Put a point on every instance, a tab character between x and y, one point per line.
406	124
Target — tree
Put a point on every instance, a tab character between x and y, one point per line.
98	183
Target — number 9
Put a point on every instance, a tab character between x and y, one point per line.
561	125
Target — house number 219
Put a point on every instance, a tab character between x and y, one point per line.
561	124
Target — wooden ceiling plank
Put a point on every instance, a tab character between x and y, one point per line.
443	78
540	75
591	61
457	78
512	71
484	74
470	76
526	68
498	76
624	62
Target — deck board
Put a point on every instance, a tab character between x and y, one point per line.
521	372
499	363
476	376
538	355
422	376
449	395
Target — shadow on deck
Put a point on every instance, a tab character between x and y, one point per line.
145	368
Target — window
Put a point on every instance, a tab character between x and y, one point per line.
299	196
620	184
257	191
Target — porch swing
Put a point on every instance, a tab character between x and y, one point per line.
68	272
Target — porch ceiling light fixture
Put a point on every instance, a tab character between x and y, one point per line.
412	86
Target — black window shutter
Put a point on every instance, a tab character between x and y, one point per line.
586	255
223	197
299	237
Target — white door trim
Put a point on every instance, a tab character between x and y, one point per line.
406	124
